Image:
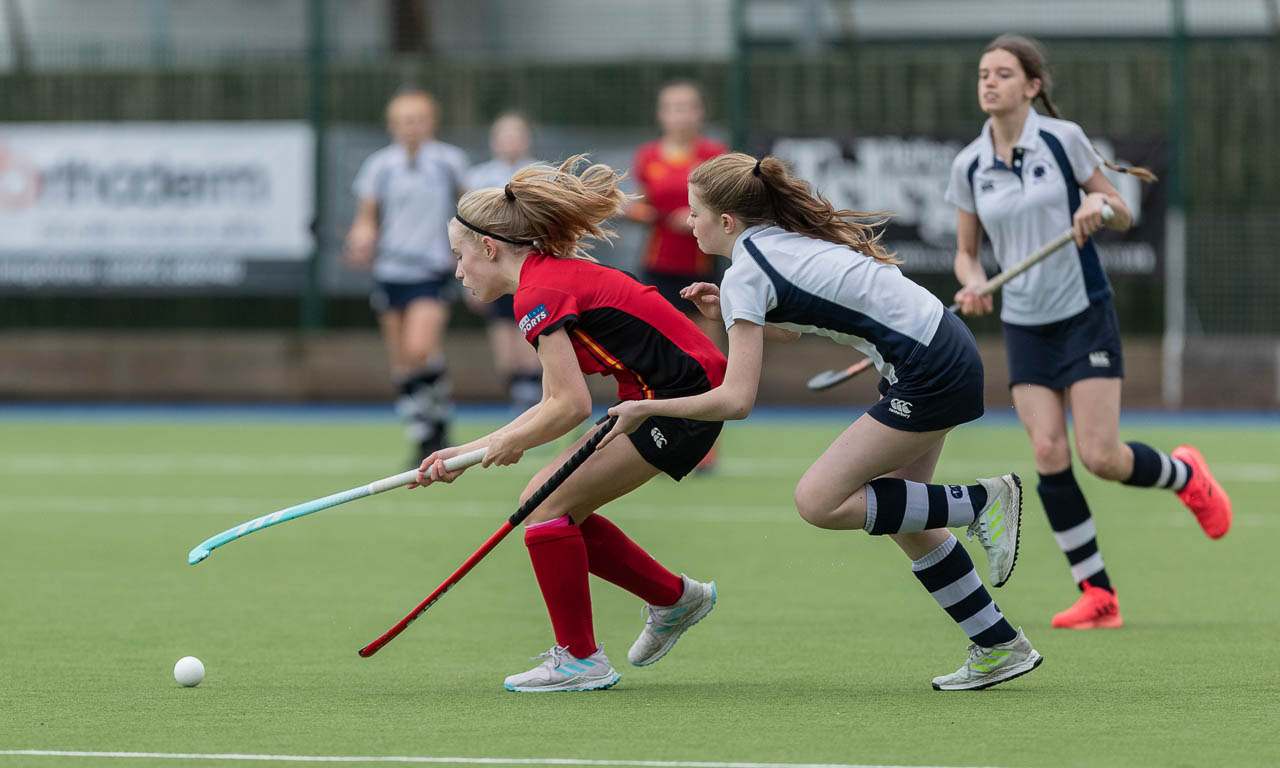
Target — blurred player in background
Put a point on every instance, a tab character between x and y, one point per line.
510	141
405	196
801	266
1020	181
661	167
583	318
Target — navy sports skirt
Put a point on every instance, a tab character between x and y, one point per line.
1057	355
939	386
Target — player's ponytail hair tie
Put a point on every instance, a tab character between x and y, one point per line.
511	196
756	171
487	233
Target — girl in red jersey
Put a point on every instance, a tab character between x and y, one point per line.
671	257
583	317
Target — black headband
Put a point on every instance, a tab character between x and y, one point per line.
487	233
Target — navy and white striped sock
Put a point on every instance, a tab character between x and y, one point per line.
1153	468
1073	528
948	574
424	405
902	506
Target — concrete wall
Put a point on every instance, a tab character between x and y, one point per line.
259	366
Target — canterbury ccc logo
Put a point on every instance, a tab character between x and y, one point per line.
659	439
900	407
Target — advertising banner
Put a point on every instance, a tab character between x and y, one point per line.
153	205
907	177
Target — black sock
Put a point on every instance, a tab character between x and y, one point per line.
902	506
948	574
1153	468
1073	527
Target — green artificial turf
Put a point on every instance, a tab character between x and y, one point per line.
820	649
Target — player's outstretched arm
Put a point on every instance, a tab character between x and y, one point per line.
566	403
732	400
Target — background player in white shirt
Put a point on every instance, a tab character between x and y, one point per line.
1021	182
801	266
406	194
511	142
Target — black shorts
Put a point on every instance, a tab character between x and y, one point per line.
669	287
1057	355
939	386
397	296
503	308
673	445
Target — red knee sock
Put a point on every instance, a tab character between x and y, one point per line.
560	563
617	559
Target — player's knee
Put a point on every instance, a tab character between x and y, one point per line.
813	509
416	353
1051	450
1101	458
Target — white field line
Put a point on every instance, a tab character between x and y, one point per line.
197	465
565	761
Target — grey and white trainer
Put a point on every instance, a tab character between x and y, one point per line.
998	526
989	666
562	671
665	624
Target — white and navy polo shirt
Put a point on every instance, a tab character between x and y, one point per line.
813	286
415	200
1025	206
495	173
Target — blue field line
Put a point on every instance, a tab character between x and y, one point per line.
1000	417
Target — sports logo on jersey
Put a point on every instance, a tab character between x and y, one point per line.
535	316
659	439
1100	359
986	186
900	408
1040	173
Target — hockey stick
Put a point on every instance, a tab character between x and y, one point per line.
315	505
546	489
828	379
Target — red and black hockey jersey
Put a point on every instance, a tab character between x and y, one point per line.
618	327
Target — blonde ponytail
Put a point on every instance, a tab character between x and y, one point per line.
555	208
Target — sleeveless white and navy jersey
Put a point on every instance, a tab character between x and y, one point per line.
1027	204
415	200
812	286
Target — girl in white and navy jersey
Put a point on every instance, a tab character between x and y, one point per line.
1021	181
405	196
801	266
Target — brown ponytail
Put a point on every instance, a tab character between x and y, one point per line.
555	207
1030	54
764	192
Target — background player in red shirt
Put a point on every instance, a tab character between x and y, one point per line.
584	317
671	258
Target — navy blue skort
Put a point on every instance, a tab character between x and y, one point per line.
1057	355
939	386
396	296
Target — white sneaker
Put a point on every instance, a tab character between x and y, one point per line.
998	525
989	666
563	672
666	624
